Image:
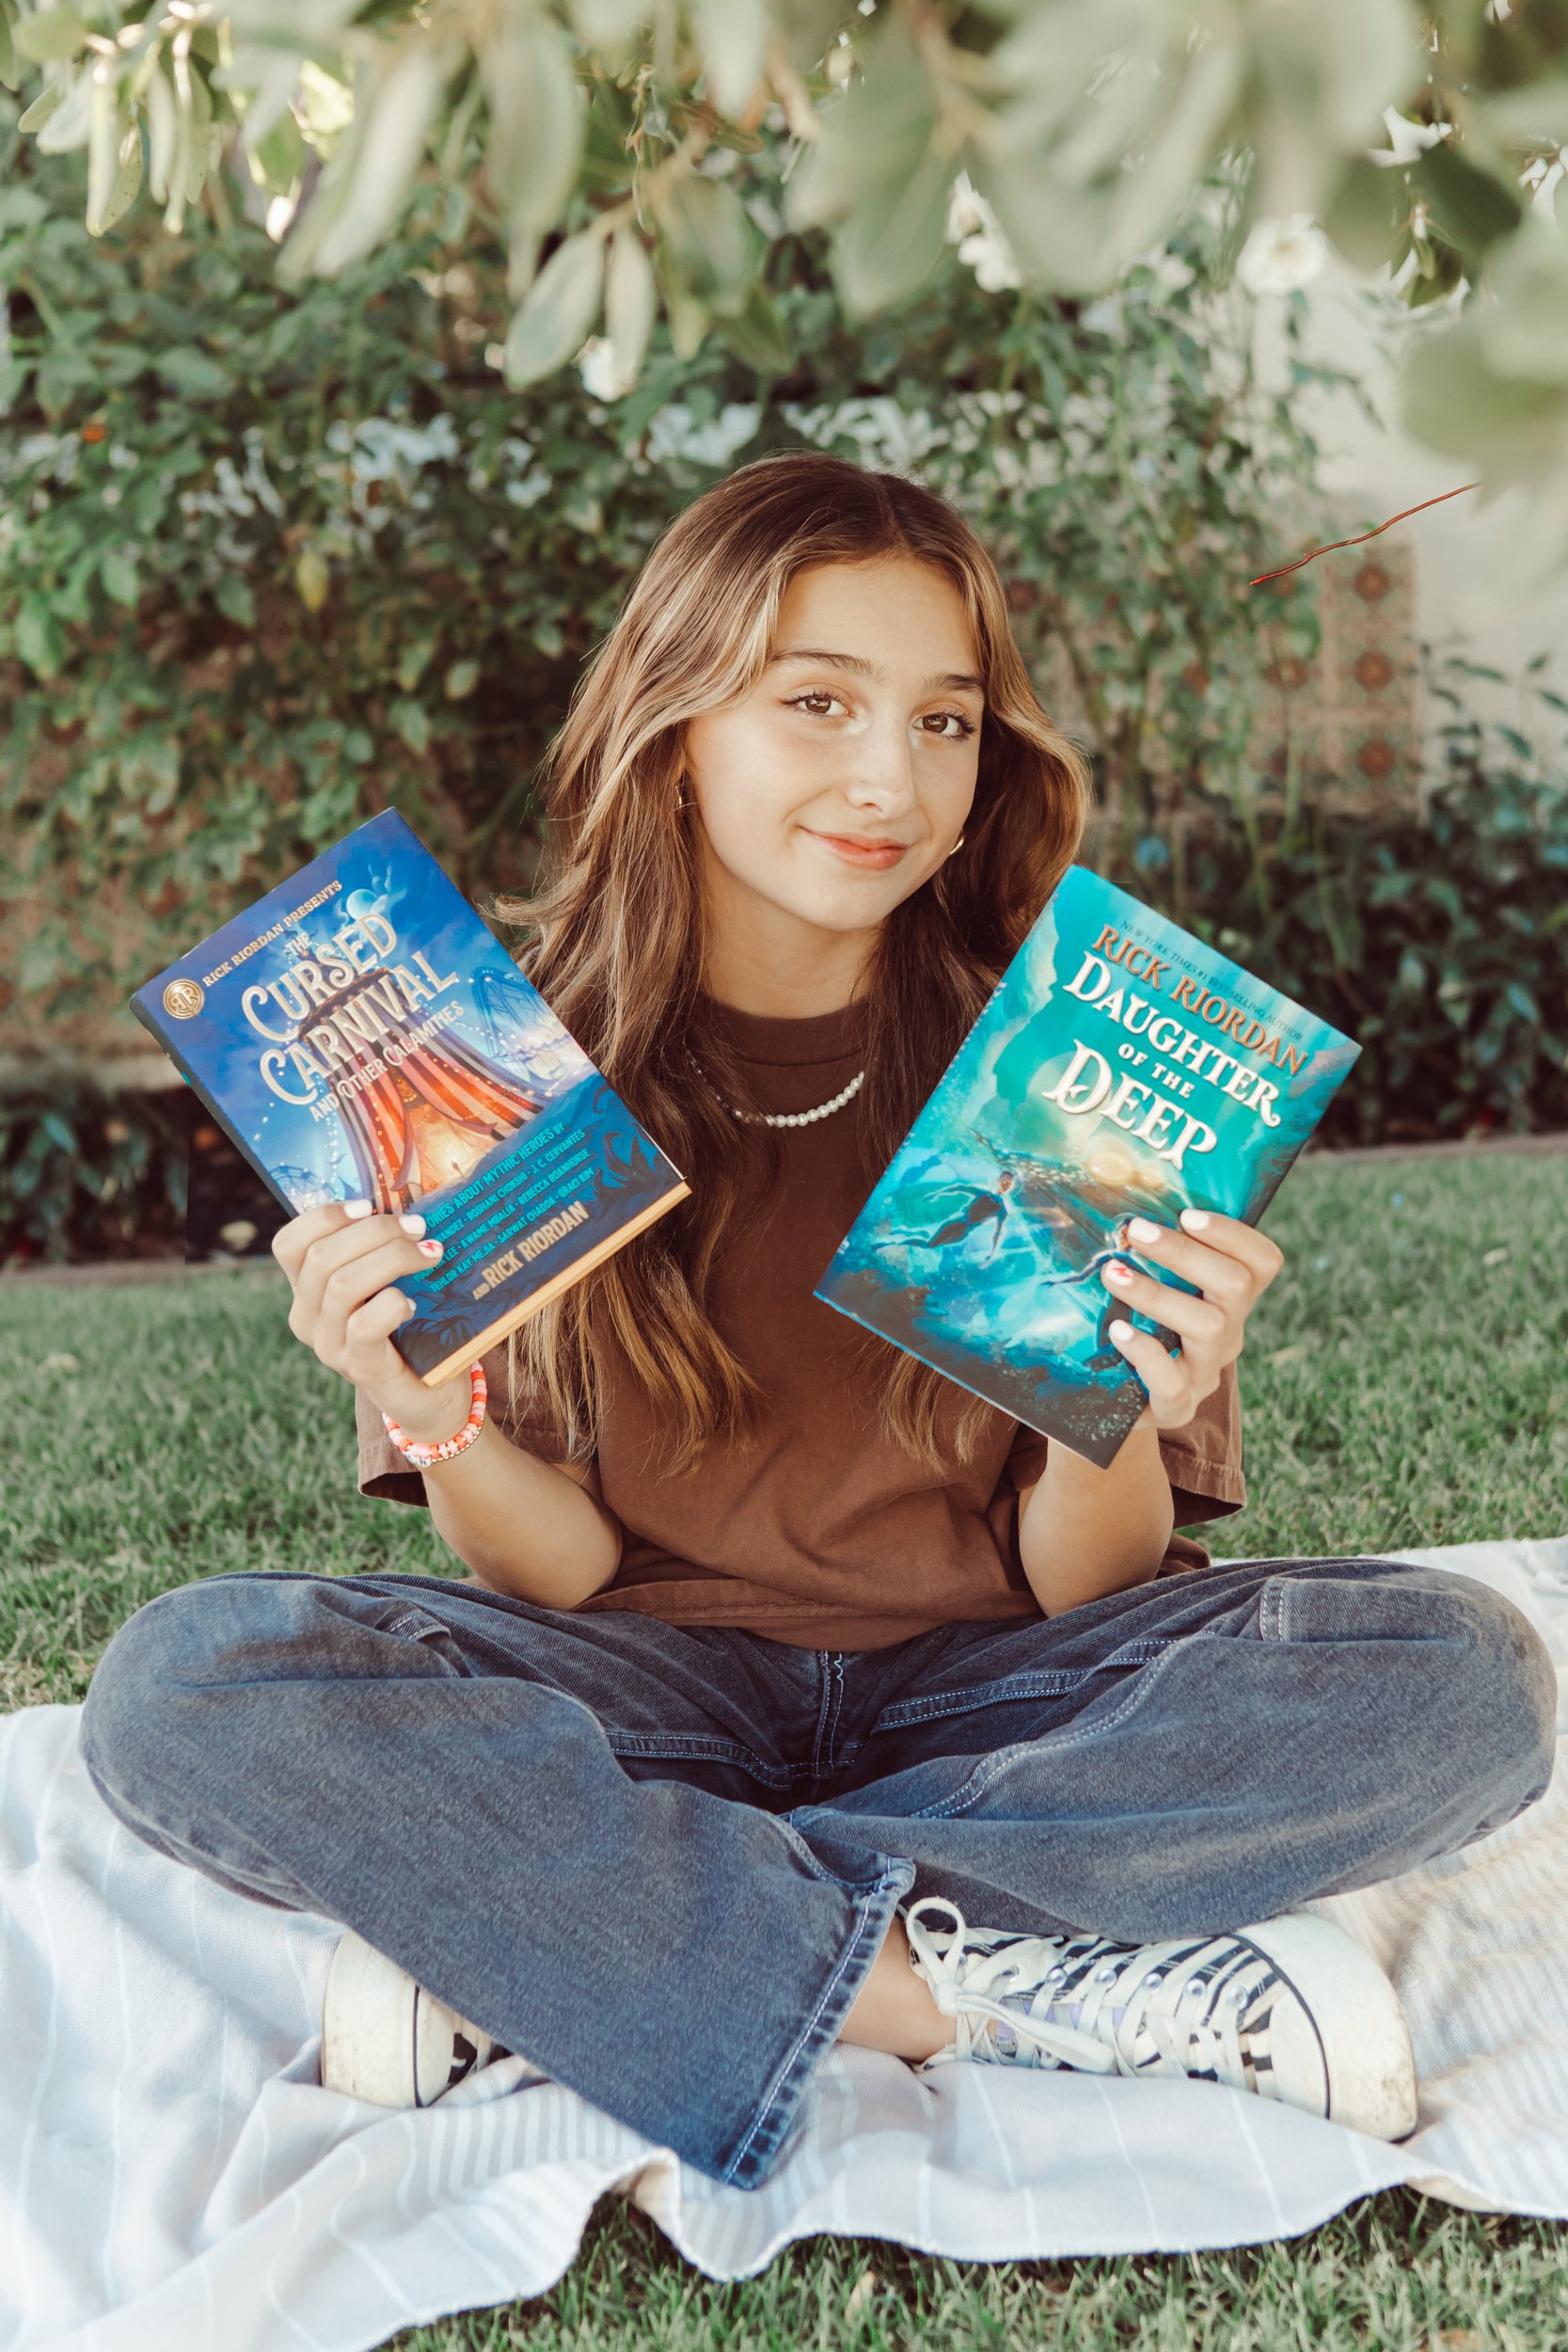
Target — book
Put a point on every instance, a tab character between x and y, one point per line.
1119	1067
360	1033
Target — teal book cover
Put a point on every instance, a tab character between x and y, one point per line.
1119	1067
360	1032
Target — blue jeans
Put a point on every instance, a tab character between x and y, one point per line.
659	1860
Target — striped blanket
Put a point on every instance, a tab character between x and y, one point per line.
172	2174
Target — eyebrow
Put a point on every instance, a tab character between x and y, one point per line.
956	679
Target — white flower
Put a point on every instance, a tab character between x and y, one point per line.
601	376
1407	141
967	212
1281	255
973	227
990	257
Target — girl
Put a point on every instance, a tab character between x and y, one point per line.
769	1628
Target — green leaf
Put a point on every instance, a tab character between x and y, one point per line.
713	242
892	241
460	680
277	158
377	163
1469	207
1364	216
1455	400
412	722
235	599
8	73
165	133
414	661
1535	115
558	311
68	125
191	372
47	103
734	36
122	194
1524	326
51	37
631	300
758	336
117	569
40	639
537	114
874	136
609	28
311	579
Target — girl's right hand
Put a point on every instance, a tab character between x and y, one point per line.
339	1269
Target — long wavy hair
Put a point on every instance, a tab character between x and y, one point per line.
619	951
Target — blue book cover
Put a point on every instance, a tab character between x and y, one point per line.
1119	1067
360	1033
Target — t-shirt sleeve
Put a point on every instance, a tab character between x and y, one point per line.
384	1472
1202	1459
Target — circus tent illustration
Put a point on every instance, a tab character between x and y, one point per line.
426	1121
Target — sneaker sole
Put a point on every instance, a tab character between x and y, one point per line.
1342	2048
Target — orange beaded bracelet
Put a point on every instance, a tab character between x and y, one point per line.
420	1455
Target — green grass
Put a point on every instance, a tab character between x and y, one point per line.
1398	1390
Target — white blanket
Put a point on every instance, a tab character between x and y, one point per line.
173	2175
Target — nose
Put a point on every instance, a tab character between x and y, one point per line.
882	778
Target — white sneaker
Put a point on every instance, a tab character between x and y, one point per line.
1293	2007
386	2039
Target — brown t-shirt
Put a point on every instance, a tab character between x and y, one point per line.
823	1534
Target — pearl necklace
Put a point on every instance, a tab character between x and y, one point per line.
781	1118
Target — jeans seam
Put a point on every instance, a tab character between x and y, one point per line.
1041	1682
706	1748
974	1787
900	1873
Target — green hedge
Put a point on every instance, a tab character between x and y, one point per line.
269	560
1438	941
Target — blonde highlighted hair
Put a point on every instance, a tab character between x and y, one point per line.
618	946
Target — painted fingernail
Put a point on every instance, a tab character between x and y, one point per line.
1141	1229
1117	1272
431	1248
412	1223
1194	1220
357	1208
1120	1330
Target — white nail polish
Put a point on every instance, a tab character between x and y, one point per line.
1194	1220
357	1208
1141	1229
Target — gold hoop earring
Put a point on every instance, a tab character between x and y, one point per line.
957	845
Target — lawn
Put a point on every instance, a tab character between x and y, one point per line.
1403	1385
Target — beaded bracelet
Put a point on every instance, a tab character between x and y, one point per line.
420	1455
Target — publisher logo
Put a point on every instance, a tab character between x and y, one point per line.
183	999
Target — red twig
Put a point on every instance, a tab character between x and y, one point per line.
1366	535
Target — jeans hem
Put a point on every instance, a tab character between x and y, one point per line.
755	2157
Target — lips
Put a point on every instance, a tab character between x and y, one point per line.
857	849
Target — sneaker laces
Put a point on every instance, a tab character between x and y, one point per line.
1177	2007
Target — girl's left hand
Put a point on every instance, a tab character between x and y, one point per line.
1232	1265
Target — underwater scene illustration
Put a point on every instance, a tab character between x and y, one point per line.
359	1032
1120	1068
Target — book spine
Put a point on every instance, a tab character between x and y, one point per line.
247	1150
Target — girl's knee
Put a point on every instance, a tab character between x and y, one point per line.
1506	1675
177	1650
